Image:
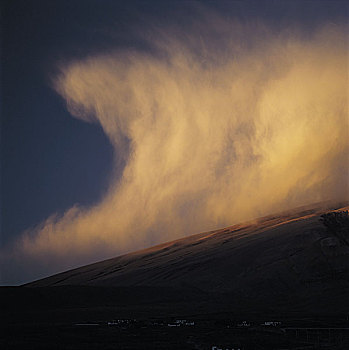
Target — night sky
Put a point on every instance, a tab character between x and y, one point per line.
51	161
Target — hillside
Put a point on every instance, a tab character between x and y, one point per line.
272	258
287	267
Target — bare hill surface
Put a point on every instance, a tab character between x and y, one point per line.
290	255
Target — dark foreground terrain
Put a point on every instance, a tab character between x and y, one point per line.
80	317
280	282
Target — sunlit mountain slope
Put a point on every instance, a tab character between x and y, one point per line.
290	254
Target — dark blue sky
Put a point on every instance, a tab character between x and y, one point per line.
49	160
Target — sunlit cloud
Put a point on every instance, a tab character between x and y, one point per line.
220	125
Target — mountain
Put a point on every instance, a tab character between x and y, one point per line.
289	256
292	268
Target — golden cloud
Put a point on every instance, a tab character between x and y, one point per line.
217	126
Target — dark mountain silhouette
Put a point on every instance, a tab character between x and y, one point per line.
271	261
292	267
